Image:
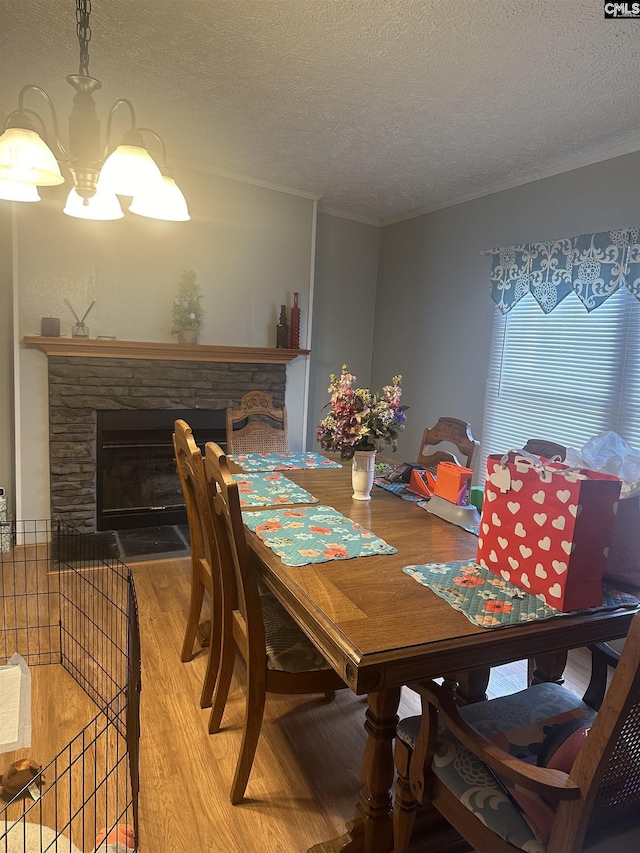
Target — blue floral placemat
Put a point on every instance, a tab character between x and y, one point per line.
270	489
399	489
281	461
314	535
491	602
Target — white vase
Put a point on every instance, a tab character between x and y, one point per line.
362	468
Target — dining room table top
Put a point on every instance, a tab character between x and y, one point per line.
376	625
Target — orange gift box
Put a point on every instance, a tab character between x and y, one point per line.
422	482
451	479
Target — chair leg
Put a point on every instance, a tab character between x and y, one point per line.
254	711
404	806
213	663
227	648
195	607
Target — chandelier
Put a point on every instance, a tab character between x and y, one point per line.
99	173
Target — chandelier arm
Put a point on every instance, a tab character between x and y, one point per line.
160	140
31	87
112	111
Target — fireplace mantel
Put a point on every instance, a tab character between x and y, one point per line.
106	348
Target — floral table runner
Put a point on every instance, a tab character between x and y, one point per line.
269	490
281	461
491	602
314	535
399	489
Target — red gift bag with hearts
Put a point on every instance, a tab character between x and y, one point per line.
546	528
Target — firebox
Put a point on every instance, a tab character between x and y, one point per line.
137	484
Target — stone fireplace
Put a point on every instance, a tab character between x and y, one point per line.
80	385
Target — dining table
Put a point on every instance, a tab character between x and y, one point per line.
380	629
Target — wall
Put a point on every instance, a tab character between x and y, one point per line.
251	248
346	269
433	310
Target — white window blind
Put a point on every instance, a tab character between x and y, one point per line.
563	376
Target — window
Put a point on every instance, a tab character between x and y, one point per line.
563	376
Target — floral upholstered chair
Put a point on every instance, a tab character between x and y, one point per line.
538	771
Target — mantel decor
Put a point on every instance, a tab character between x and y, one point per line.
90	348
187	310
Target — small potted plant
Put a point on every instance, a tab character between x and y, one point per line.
187	311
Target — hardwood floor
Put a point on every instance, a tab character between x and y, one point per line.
305	778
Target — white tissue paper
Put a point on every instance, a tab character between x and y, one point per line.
610	454
15	705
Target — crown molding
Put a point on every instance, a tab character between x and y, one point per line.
244	179
343	214
627	145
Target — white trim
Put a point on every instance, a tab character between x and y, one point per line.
15	332
343	214
627	145
245	179
307	361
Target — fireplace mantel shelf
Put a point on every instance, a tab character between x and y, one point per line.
104	348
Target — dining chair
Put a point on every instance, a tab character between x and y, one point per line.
264	429
539	770
454	432
542	447
278	655
204	557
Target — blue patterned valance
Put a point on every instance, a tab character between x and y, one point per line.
593	266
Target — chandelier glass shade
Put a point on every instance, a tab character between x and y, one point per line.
99	173
103	205
12	191
26	159
162	202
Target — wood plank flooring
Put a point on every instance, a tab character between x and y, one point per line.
305	779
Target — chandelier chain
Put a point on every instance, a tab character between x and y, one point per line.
83	10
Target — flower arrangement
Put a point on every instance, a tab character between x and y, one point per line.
360	419
187	311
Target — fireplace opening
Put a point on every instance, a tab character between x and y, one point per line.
137	484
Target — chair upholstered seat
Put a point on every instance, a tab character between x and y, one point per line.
519	724
288	647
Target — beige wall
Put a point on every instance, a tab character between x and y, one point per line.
251	247
344	304
6	358
434	313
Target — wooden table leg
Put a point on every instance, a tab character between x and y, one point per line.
548	667
472	686
372	831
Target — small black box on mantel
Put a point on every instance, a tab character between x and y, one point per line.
50	327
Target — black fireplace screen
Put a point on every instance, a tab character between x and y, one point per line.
136	479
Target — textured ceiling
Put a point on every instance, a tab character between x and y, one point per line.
381	107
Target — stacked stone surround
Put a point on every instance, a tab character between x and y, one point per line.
79	387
